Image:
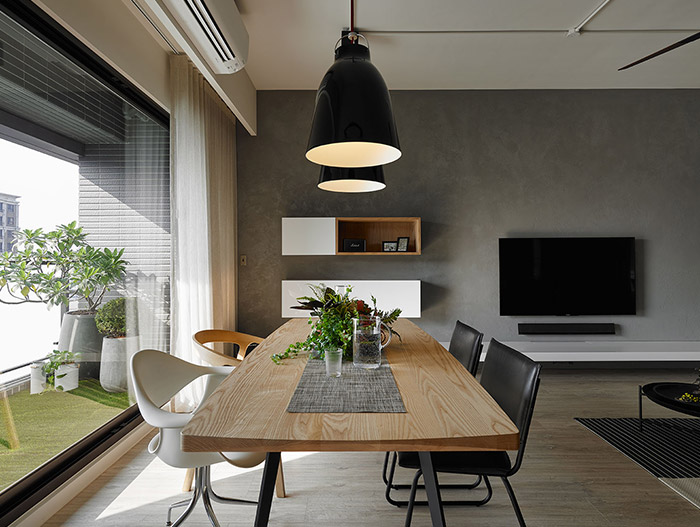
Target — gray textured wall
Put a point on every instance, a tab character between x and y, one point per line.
479	165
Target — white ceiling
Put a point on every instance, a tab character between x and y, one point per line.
291	42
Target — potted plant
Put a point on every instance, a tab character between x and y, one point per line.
333	328
55	268
111	321
61	370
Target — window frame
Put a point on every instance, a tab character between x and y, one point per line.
28	491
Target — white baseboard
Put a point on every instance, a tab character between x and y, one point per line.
49	506
605	351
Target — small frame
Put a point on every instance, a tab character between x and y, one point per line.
354	245
402	243
389	247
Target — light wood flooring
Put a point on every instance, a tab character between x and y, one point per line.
569	477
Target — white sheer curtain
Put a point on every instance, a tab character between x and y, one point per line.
203	201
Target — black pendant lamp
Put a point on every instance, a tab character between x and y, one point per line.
353	124
364	179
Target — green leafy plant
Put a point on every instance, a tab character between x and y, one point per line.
333	328
56	359
58	266
111	318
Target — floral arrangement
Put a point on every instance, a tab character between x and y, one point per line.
333	328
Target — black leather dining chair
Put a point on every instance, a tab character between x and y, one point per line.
466	347
512	379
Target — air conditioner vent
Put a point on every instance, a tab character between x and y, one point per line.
210	28
214	27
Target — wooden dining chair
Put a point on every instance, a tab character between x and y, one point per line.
208	354
466	347
244	344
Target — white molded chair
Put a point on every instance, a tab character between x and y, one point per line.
157	377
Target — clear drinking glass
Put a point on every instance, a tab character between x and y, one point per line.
366	342
334	362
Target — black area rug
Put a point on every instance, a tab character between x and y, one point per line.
667	448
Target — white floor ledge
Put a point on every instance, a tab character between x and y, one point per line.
605	351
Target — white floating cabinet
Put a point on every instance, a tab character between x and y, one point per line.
390	294
308	236
324	236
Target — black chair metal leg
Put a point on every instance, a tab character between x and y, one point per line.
387	493
412	498
267	489
389	481
516	507
384	467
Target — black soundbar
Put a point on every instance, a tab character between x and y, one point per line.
566	329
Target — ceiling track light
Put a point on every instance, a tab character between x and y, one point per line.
353	124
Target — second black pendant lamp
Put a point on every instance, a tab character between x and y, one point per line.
353	123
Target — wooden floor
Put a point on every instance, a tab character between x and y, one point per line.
569	477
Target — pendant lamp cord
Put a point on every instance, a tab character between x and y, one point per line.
352	16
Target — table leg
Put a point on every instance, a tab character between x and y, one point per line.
432	489
641	420
267	488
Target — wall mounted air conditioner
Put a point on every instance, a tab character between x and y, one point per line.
216	28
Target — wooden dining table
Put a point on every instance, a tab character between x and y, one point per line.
446	409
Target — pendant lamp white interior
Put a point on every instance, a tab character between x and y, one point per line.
351	186
353	154
352	180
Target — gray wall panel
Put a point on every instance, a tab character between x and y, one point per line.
479	165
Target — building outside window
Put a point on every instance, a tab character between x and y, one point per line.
9	213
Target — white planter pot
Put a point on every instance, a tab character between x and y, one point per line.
79	335
37	378
116	353
66	377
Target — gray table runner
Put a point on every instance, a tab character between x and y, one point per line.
355	391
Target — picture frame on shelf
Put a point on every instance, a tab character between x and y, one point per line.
389	246
402	244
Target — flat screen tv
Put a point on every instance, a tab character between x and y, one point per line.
567	276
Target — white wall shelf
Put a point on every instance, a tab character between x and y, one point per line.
390	294
324	236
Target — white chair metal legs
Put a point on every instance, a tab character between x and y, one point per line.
202	489
158	376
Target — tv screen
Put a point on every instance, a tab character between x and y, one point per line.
567	276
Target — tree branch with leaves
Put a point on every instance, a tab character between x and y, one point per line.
58	266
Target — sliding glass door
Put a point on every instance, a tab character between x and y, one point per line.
84	249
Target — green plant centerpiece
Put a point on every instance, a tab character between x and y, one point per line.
333	328
52	368
58	266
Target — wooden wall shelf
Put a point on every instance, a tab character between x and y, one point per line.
376	230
